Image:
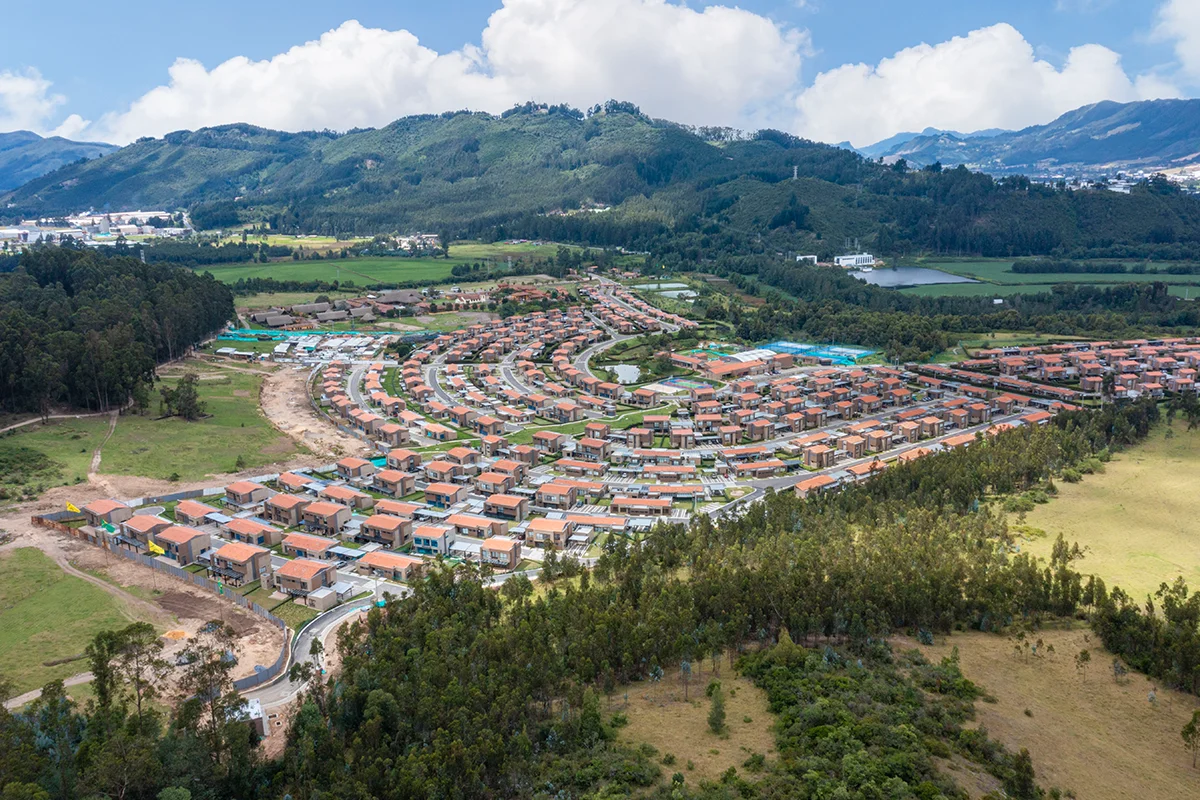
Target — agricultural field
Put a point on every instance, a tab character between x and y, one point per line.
284	299
46	615
1139	520
1089	734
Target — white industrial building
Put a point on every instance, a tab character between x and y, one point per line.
855	260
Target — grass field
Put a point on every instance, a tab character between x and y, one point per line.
46	615
142	445
68	442
1000	281
659	716
1139	520
1087	734
371	270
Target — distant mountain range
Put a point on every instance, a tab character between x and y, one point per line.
884	147
25	156
1102	138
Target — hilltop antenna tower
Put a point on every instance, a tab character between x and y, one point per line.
795	171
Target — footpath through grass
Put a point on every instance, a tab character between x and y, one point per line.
45	615
1139	520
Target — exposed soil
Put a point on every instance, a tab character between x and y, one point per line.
284	400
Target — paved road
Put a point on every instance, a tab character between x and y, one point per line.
283	690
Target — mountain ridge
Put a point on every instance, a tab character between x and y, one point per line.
26	156
1094	139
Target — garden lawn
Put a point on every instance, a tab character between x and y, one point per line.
160	448
45	615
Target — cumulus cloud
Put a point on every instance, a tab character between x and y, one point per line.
715	66
1179	22
26	102
990	78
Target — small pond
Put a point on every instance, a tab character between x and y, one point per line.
900	277
626	373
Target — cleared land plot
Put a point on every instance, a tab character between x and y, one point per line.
158	448
46	615
658	715
1100	739
68	443
1139	520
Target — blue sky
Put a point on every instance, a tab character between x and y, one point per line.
103	61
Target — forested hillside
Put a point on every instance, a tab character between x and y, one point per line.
482	175
86	330
25	156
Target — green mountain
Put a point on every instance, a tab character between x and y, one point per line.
25	156
1100	138
611	177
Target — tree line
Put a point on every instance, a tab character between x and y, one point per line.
86	329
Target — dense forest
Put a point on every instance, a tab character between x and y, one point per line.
87	329
535	171
463	691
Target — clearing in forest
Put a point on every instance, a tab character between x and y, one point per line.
659	716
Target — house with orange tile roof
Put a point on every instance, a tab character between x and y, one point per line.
403	460
351	468
501	552
507	506
814	485
546	532
189	512
477	527
285	509
444	495
238	564
252	532
303	545
182	544
347	497
326	518
245	494
394	482
301	577
390	566
384	529
112	512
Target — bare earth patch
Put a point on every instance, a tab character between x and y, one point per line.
1087	733
285	401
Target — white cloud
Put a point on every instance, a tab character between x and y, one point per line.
25	101
1179	22
989	78
715	66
